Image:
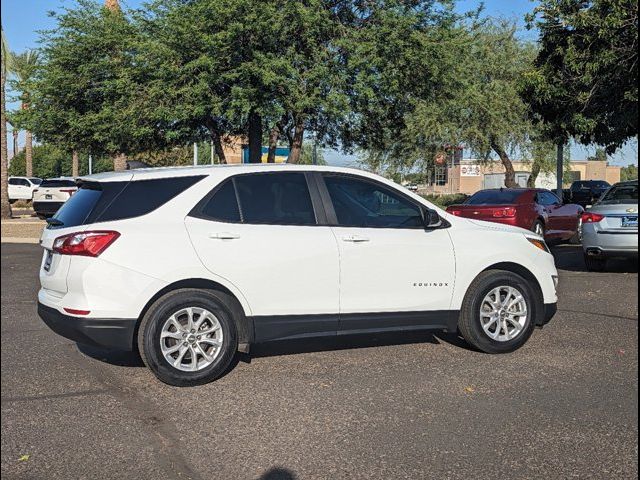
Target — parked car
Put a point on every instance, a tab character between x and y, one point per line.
538	210
51	194
610	227
190	265
586	192
21	188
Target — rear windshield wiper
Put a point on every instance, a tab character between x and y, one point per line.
54	222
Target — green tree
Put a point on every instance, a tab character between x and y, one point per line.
599	156
25	66
585	84
5	206
630	172
90	93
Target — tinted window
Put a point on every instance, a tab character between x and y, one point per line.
359	203
621	194
547	198
77	209
14	181
107	201
223	205
57	183
494	197
36	181
143	196
275	199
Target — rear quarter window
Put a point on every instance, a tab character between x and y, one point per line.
109	201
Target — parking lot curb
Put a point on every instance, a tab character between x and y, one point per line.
19	240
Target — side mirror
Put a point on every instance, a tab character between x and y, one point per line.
432	219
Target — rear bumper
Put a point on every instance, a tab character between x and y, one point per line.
609	242
116	333
46	208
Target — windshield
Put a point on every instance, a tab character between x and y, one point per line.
622	193
494	197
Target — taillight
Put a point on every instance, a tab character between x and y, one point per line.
504	212
589	217
88	244
70	192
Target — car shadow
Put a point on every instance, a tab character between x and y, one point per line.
570	258
122	358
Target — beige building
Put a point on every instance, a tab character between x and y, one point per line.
469	176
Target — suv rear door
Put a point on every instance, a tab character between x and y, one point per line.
265	233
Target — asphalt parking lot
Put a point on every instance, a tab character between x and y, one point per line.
417	406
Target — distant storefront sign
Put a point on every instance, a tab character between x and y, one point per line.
282	154
470	170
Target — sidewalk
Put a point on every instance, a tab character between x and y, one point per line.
24	229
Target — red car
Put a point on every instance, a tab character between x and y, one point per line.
538	210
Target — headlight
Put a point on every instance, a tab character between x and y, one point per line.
536	242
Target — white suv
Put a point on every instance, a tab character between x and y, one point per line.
190	265
51	195
22	188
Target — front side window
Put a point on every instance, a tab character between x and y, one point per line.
547	198
360	203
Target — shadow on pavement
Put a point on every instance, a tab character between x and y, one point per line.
570	258
278	473
292	347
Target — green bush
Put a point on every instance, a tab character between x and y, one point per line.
445	200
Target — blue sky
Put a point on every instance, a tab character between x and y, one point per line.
22	19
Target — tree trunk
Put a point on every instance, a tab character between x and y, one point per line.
535	171
255	138
274	136
5	206
510	173
120	162
28	153
74	164
298	137
216	138
15	141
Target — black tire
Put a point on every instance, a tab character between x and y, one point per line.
538	224
151	326
469	322
595	264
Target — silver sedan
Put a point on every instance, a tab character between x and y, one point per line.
610	227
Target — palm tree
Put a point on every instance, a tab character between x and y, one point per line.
24	68
5	206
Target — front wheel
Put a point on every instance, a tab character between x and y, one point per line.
498	312
188	337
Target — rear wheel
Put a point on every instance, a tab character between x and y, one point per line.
188	337
595	264
498	311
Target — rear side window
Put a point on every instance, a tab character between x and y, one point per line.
263	198
494	197
223	205
108	201
58	183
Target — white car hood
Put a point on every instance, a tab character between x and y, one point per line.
499	227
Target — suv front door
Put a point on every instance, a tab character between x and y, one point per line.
394	273
262	233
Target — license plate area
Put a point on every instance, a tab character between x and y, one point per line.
48	197
47	261
630	222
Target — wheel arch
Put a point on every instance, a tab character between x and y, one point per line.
525	273
243	323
